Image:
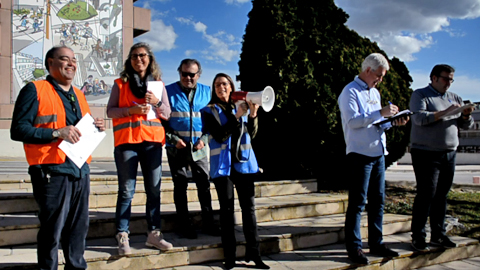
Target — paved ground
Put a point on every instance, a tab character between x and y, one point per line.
16	168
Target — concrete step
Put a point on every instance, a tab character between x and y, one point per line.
104	196
14	174
276	236
334	257
16	229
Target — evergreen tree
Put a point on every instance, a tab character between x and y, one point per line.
308	55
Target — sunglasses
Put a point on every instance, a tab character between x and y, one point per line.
141	55
188	74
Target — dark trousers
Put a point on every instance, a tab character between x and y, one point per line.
434	171
63	215
244	183
178	167
366	180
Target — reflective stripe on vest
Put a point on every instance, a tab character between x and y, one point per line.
134	128
220	154
185	119
51	114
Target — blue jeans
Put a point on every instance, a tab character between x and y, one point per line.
63	215
434	171
127	157
366	179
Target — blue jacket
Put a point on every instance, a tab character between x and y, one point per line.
185	119
221	154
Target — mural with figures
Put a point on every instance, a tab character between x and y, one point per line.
92	28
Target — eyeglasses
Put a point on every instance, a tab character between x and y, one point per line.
141	55
67	59
447	79
188	74
224	84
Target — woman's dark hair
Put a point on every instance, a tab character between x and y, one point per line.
215	98
153	67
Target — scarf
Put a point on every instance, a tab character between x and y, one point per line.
139	87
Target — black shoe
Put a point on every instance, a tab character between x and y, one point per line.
358	256
420	245
443	241
259	264
383	251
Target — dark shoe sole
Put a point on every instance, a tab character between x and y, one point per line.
420	249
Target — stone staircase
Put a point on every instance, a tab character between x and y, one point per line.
295	221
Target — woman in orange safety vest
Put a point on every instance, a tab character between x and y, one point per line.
137	102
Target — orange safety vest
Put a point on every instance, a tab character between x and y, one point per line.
134	128
51	114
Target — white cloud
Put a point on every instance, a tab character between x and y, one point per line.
230	2
200	27
219	49
465	86
403	28
160	37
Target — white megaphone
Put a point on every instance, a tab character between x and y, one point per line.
265	98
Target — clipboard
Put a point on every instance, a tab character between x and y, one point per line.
399	115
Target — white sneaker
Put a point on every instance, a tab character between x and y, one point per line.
155	239
123	244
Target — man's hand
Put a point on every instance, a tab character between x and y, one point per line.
402	121
440	114
468	110
180	144
199	145
70	133
389	110
99	123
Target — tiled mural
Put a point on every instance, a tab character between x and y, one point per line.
92	28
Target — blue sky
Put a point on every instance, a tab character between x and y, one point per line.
420	33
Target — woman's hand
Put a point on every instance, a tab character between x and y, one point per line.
242	109
99	123
139	109
150	98
253	109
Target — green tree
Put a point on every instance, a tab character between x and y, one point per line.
307	54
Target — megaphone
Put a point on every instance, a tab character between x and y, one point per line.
265	98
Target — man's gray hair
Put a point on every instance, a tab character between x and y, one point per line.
374	61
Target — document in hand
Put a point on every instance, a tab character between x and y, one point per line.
156	87
90	139
399	115
457	110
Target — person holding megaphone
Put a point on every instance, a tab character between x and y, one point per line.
233	162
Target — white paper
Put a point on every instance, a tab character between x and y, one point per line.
90	139
156	87
457	110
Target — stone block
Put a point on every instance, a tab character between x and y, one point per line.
203	255
18	236
476	179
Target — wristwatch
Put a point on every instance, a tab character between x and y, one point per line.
56	133
158	104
